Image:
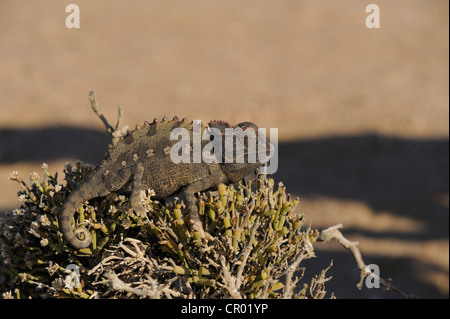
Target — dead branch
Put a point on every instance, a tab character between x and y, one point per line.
306	253
229	280
334	233
114	132
317	287
154	292
246	253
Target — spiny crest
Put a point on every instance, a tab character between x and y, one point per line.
151	128
219	122
222	125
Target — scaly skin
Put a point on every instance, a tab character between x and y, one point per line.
141	160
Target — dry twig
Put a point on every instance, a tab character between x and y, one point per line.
114	132
156	291
334	233
306	253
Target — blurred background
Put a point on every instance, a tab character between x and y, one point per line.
362	114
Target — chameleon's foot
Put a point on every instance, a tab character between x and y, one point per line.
138	208
140	212
197	224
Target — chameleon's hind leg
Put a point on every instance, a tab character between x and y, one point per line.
116	181
136	202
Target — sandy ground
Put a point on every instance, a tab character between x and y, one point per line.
362	113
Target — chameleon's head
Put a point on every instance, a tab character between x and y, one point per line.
244	148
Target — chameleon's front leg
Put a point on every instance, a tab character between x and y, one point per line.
136	202
189	195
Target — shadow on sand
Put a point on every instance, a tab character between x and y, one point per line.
398	175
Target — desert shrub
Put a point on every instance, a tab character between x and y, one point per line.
255	241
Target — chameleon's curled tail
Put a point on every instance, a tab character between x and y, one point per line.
80	237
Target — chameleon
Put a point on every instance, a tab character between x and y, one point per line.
141	160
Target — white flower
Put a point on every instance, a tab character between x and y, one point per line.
14	175
44	166
52	268
34	225
57	188
34	233
33	229
34	177
44	220
44	242
7	295
18	215
18	211
112	209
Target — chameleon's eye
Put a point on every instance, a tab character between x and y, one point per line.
247	137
